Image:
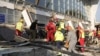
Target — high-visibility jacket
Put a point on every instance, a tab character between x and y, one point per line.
61	25
59	36
19	26
81	34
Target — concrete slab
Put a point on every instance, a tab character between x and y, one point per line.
12	50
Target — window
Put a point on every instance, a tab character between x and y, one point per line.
61	6
49	4
32	15
2	10
10	11
56	7
66	6
10	19
42	19
41	3
70	4
17	15
17	12
16	18
30	1
74	5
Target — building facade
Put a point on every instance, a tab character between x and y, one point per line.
72	10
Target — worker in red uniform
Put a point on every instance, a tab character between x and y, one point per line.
50	28
81	38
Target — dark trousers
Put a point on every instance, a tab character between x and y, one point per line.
59	44
33	34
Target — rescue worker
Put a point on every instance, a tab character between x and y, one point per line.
19	31
33	30
50	29
66	42
62	26
19	27
81	39
71	40
59	37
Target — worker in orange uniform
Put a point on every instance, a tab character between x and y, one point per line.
50	28
81	38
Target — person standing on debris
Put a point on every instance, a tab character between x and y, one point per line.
81	39
59	37
66	45
71	40
19	27
50	29
33	30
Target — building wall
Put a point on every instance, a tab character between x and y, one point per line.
74	9
11	15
